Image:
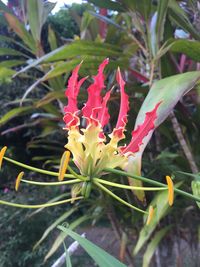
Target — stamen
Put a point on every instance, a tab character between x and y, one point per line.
63	165
28	167
38	206
105	189
18	180
142	188
2	153
150	215
51	183
170	185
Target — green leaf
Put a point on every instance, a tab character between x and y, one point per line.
6	75
134	166
35	13
49	97
52	38
162	206
20	30
53	225
59	240
153	245
160	202
107	20
61	68
196	190
4	51
108	4
12	40
48	7
188	47
161	17
83	48
65	195
168	91
153	35
179	17
142	6
101	257
68	261
11	63
14	113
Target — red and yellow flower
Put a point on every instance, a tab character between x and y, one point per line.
92	150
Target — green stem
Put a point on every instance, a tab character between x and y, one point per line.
39	205
51	183
153	182
118	198
101	181
80	177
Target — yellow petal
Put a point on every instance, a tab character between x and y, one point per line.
63	165
150	216
2	153
170	185
18	180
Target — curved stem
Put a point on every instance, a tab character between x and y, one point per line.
153	182
118	198
51	183
39	205
80	177
101	181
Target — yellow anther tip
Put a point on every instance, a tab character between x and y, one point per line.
18	180
2	153
170	185
150	215
63	165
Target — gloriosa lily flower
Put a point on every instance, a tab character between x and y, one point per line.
92	150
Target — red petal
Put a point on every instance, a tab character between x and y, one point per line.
103	115
71	92
124	107
71	120
94	92
142	131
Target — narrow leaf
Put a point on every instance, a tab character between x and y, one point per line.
196	190
161	203
54	224
168	91
20	30
101	257
61	237
178	16
35	13
68	261
4	51
153	245
15	112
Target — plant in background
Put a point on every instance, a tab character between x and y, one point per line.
138	37
91	154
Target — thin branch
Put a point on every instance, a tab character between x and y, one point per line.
183	143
